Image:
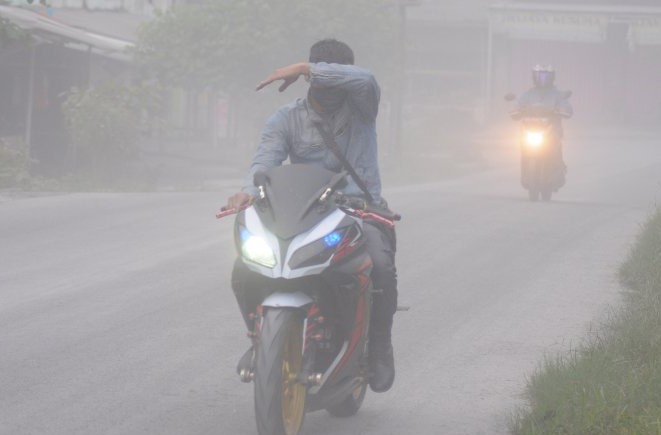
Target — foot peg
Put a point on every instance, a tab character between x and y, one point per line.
246	375
245	367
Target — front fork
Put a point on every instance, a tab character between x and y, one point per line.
316	337
247	373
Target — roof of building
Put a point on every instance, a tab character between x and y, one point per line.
116	24
477	11
612	8
106	33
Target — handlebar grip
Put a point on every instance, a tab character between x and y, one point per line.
225	211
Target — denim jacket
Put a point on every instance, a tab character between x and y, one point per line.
290	132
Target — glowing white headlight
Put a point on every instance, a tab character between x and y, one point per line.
257	250
534	139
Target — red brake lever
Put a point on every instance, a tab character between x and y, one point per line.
366	215
225	211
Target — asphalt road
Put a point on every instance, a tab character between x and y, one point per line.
116	315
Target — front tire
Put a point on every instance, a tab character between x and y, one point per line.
546	194
279	396
533	194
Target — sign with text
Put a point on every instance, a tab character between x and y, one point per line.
549	25
645	31
644	27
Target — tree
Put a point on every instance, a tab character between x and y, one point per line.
104	126
228	46
11	35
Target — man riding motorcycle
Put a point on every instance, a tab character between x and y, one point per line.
545	95
342	101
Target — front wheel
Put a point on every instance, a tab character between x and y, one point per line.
279	396
546	194
533	194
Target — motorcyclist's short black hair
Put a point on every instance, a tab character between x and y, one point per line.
331	51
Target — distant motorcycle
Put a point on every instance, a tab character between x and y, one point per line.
305	240
541	169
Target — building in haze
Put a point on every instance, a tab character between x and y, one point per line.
465	55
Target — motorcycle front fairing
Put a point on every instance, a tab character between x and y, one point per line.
289	259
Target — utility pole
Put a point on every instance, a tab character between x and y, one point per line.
30	98
488	80
396	112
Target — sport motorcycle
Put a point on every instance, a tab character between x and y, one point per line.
303	240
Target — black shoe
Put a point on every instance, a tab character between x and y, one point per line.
245	363
382	367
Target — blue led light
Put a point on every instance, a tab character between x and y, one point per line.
333	239
244	233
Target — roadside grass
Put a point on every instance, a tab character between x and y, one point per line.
612	383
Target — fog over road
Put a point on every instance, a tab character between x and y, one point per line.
116	315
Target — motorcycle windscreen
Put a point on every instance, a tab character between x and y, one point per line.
292	192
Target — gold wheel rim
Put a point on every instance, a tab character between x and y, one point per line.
293	392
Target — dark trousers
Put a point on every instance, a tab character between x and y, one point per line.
381	246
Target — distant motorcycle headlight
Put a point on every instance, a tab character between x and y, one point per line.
256	249
534	139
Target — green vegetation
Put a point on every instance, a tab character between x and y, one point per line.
11	34
228	45
105	124
14	165
222	49
612	385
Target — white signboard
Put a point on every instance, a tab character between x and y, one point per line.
550	25
578	25
645	31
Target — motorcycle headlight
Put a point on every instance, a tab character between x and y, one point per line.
256	249
317	252
334	246
534	139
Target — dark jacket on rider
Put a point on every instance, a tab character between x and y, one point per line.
548	97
